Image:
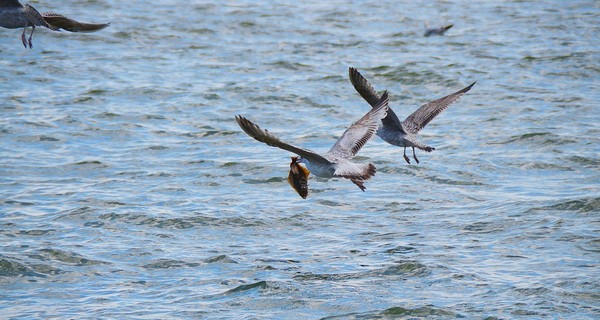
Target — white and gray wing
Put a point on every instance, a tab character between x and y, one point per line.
366	90
355	137
58	21
270	139
10	4
422	116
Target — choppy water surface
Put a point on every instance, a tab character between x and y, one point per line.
128	190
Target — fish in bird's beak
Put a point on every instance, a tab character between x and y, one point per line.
298	178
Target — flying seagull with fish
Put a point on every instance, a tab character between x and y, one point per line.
14	15
404	133
335	162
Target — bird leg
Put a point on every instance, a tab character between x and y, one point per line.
405	157
23	36
31	36
414	155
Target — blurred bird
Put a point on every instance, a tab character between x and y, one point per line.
336	162
298	178
404	134
437	31
14	15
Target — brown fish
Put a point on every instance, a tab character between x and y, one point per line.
298	178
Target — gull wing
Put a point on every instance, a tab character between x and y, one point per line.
61	22
364	88
270	139
422	116
10	4
355	137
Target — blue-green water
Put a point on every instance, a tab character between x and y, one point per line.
128	191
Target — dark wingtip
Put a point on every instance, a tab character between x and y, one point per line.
467	88
360	185
372	169
384	96
243	123
353	74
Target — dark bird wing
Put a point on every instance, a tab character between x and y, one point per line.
10	4
61	22
355	137
422	116
270	139
364	88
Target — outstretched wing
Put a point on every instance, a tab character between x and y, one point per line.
364	88
355	137
61	22
265	136
422	116
10	4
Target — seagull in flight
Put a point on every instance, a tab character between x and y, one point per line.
335	162
404	134
437	31
14	15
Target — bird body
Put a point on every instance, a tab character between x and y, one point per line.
404	133
401	138
335	162
13	17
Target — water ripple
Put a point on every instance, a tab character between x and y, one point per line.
125	181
